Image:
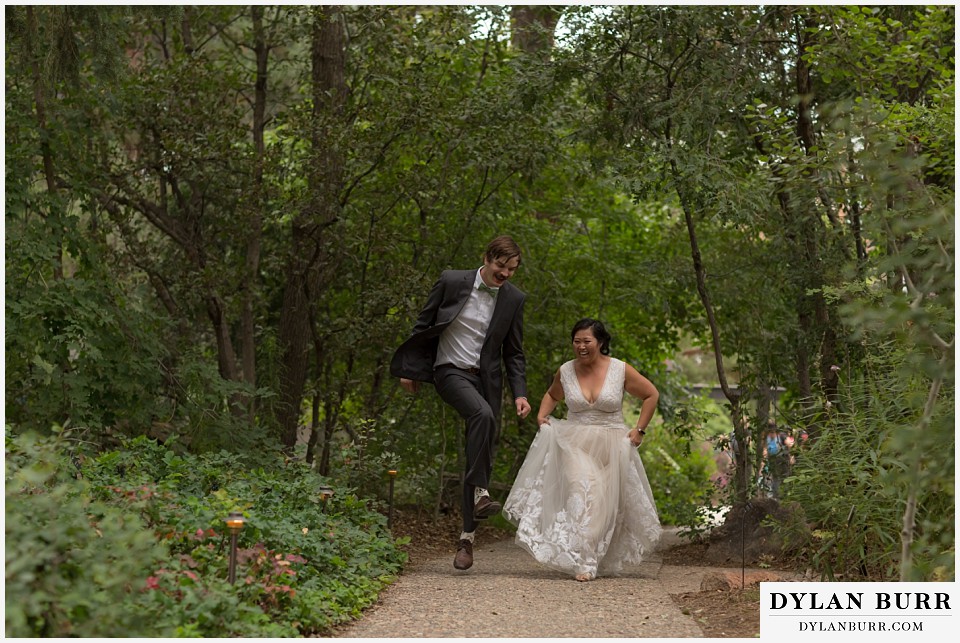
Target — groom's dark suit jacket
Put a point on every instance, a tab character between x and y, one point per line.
415	358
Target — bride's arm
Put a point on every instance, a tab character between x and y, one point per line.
637	385
550	400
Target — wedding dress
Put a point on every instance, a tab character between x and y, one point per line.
581	501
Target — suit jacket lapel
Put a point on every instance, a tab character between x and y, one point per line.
459	289
499	309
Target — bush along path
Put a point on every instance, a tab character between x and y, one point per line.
132	543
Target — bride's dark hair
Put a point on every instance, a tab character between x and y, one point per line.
598	330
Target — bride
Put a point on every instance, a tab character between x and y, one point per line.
581	501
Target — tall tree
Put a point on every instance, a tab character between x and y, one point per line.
308	255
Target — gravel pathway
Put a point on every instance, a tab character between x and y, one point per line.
508	594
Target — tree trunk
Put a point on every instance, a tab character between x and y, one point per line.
533	27
293	334
250	284
741	476
802	230
802	366
226	357
764	398
908	525
186	30
314	429
328	424
322	209
829	378
40	107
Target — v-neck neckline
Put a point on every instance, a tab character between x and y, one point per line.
602	386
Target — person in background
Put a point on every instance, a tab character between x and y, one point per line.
776	459
723	458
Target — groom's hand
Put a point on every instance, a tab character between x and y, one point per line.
410	386
523	407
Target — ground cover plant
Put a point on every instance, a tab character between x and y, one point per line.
132	542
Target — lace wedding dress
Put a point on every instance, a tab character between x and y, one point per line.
581	501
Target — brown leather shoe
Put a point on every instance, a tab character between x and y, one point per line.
485	508
464	557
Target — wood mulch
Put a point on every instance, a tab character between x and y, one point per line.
724	614
720	613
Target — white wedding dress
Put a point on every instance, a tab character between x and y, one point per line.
581	501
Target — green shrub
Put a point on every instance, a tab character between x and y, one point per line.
78	349
854	478
158	564
305	563
679	472
680	478
178	600
72	564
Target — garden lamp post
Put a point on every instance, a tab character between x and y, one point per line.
325	494
393	474
235	522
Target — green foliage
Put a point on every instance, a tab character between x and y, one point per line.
677	456
680	478
853	480
176	599
341	553
78	351
74	565
145	256
138	547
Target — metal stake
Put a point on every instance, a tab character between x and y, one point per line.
393	474
235	522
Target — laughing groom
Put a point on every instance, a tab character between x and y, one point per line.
473	320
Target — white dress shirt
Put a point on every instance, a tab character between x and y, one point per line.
461	341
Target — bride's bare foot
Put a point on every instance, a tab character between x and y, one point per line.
584	577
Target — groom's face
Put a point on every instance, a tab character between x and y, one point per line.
496	272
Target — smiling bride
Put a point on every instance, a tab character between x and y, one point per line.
581	501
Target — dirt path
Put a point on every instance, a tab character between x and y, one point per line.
507	594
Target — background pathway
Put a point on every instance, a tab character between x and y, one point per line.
507	594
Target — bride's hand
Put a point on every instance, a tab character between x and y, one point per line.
543	420
636	438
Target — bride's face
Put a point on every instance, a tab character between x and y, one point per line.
585	345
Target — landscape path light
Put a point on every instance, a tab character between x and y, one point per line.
325	494
235	522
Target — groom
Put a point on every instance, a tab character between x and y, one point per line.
473	320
